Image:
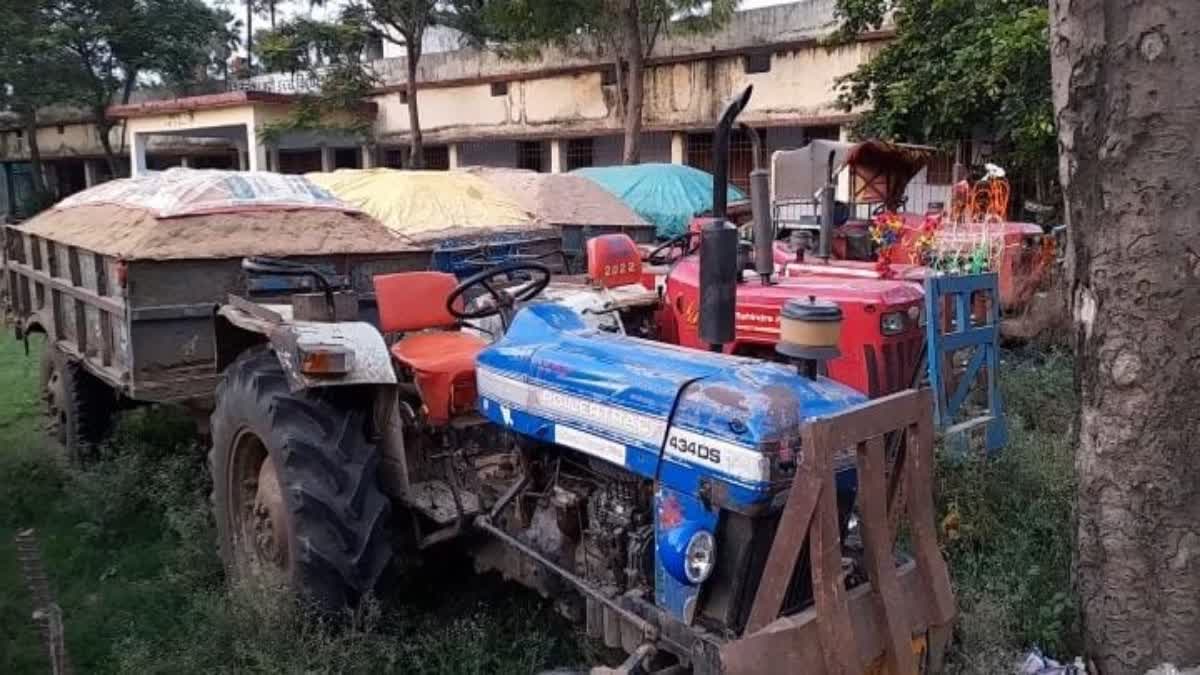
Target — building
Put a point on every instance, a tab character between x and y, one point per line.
555	113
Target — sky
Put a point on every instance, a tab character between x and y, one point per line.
303	7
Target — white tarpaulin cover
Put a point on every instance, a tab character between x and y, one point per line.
188	192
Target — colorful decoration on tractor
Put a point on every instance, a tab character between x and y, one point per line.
887	233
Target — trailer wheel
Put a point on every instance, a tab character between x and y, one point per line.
79	405
295	487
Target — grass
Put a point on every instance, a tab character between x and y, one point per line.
131	554
1008	524
130	551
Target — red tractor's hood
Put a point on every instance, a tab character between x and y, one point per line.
842	283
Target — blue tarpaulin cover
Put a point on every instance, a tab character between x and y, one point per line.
668	195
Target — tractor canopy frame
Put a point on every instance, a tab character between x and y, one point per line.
879	170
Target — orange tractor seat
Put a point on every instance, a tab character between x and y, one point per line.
441	357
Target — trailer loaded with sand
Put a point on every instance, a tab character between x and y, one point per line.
124	279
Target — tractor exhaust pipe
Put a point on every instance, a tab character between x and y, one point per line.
828	201
719	241
760	206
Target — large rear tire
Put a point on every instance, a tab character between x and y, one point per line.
295	487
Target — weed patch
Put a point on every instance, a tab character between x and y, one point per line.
1008	522
130	549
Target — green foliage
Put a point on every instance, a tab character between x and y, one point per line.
130	551
1009	522
524	27
957	70
92	53
195	58
331	54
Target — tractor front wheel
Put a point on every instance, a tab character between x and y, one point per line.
295	487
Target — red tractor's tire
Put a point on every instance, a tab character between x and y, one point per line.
296	493
81	407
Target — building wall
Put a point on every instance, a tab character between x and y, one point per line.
798	90
66	140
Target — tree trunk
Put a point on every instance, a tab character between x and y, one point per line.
416	153
36	175
631	43
1127	101
104	128
249	37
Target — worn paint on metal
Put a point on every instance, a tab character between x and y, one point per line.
624	400
372	361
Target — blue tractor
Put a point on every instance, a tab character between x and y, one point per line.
702	511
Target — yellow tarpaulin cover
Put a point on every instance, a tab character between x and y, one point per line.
423	203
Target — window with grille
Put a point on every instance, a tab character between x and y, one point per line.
393	158
741	156
499	89
831	132
347	158
757	62
941	169
529	155
299	161
437	158
580	153
608	75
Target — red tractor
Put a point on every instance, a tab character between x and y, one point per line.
881	333
867	178
881	339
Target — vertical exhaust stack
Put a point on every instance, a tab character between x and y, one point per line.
828	202
719	241
760	205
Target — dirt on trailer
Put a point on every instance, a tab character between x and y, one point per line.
139	234
560	199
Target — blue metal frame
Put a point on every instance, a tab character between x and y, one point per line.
983	340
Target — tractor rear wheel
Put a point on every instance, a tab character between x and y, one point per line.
295	487
80	406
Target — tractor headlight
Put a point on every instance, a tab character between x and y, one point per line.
700	557
891	323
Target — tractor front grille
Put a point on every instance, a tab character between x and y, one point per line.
892	366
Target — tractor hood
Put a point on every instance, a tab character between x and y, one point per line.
630	401
841	283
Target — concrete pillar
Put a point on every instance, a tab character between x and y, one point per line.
678	147
558	162
185	161
327	159
90	174
273	158
452	153
137	154
843	178
256	151
370	156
